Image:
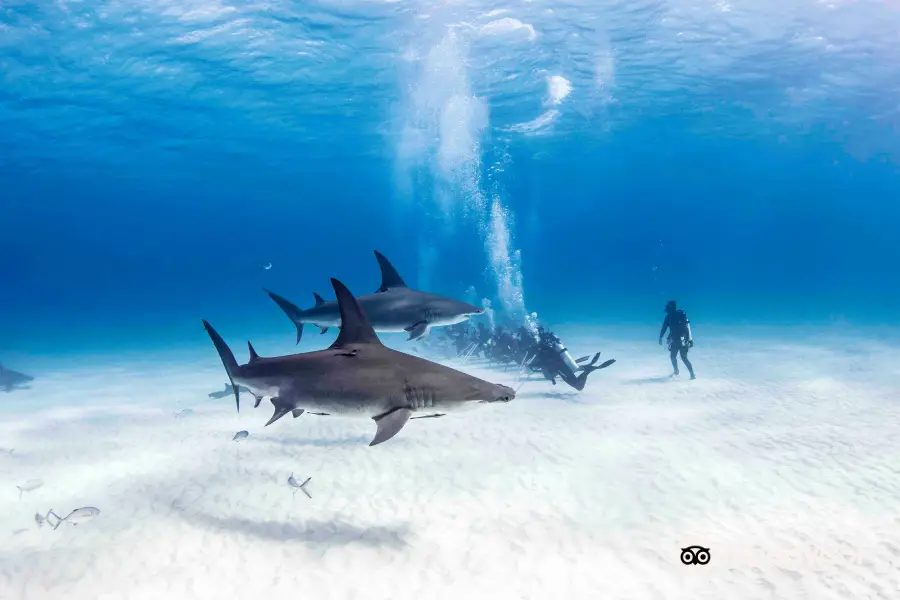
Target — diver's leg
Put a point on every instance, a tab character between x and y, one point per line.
673	355
579	382
686	362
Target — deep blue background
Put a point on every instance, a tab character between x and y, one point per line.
147	171
750	230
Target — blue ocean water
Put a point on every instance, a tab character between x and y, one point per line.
586	161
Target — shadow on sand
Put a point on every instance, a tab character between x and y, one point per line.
663	379
14	388
329	533
320	442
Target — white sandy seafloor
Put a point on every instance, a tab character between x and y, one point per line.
783	458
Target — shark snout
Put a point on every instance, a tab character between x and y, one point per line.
505	394
501	393
471	309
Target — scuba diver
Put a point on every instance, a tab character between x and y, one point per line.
680	339
553	360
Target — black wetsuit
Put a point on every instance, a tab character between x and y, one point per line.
679	339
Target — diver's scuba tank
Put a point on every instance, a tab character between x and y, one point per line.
557	347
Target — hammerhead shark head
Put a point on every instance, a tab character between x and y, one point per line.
357	376
394	307
10	379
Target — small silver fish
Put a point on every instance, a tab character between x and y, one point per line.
240	435
184	413
30	485
299	486
77	516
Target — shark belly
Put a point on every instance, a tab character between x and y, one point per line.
344	406
260	389
324	322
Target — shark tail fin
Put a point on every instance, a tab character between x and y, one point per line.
303	487
228	361
294	312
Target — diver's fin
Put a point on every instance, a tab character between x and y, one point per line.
253	355
294	313
419	330
228	361
389	424
355	326
324	330
280	411
319	299
581	380
297	412
389	276
583	358
258	400
590	364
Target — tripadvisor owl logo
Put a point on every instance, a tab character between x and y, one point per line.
695	555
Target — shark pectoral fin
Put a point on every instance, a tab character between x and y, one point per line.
297	412
280	411
417	331
324	330
258	400
390	424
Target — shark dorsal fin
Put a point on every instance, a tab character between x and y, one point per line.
253	355
355	325
319	299
390	278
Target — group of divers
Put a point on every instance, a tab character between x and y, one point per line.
359	376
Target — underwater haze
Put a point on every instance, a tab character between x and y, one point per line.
573	164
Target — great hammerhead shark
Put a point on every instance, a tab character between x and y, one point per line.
394	307
357	376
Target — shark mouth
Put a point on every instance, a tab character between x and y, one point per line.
503	399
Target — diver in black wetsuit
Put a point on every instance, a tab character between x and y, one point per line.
680	339
553	360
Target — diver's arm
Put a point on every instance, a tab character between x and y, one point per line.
665	326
